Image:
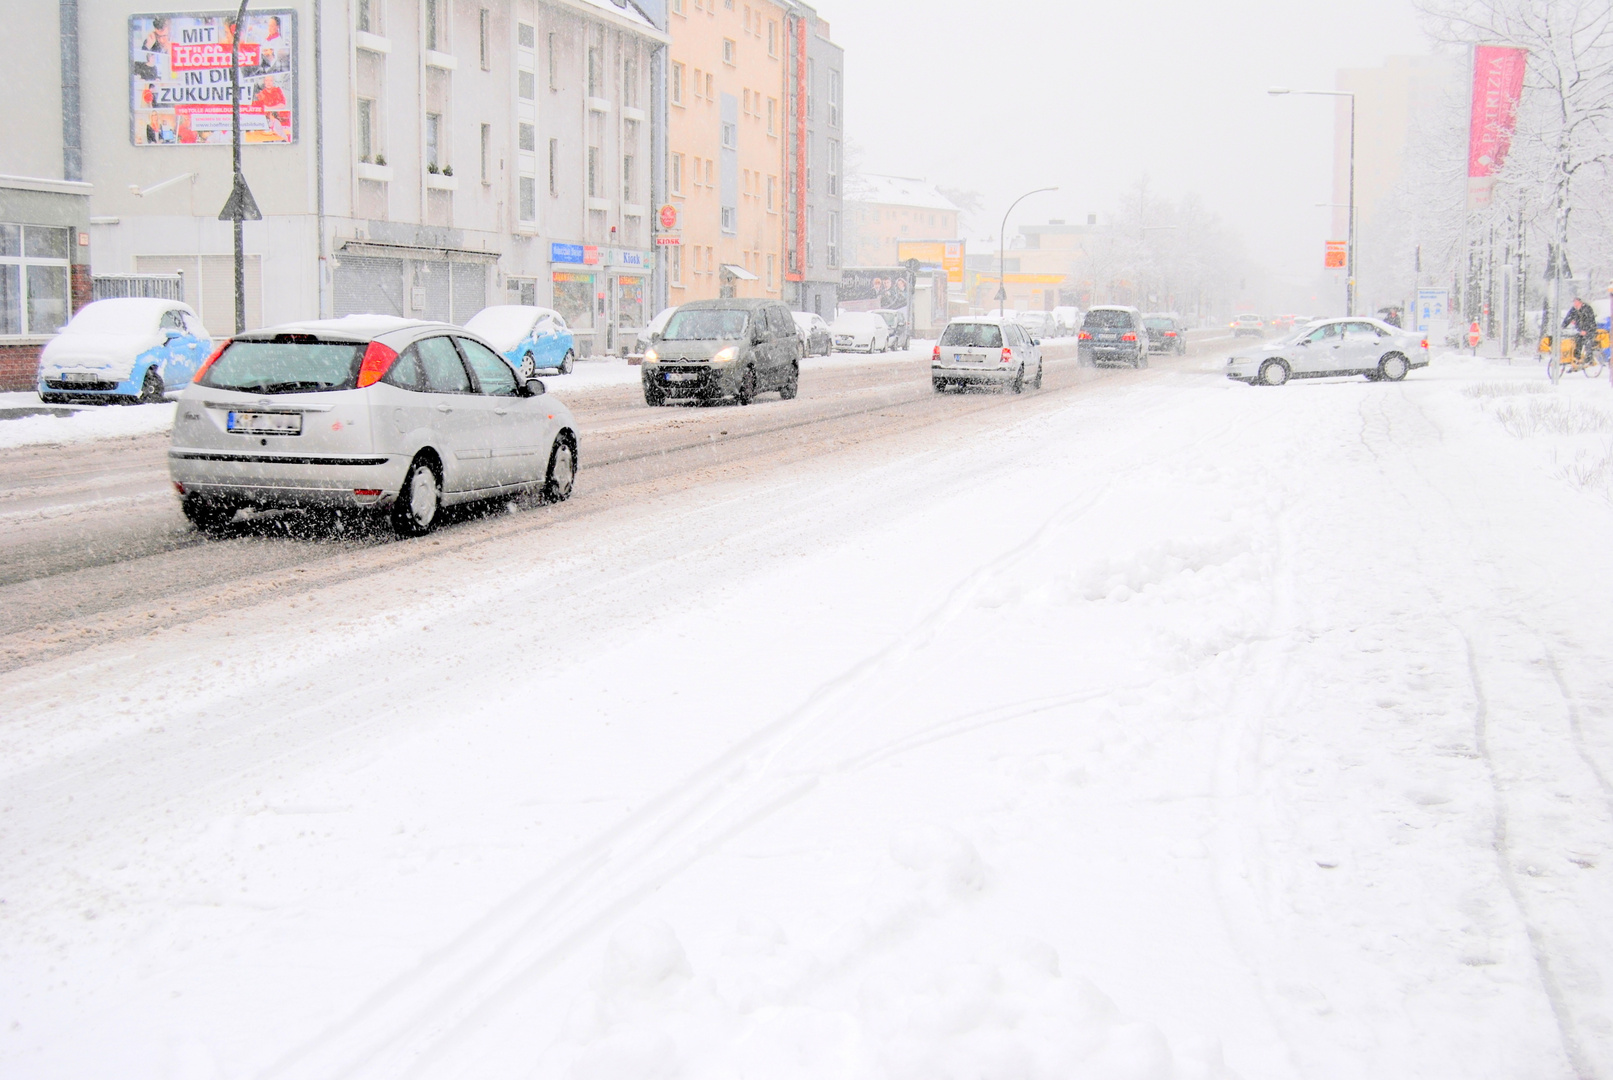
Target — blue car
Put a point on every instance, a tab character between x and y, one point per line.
123	351
531	339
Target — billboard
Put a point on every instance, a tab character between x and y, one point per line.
1337	255
885	288
179	78
1433	312
941	254
1497	86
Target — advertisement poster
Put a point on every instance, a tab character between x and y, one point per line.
179	78
876	289
1497	86
935	255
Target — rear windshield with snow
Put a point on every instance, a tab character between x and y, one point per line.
706	324
285	367
1109	320
973	335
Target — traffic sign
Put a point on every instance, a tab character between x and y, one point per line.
669	217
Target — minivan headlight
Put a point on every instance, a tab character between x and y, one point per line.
651	356
726	356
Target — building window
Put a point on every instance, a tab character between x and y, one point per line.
627	178
711	93
364	21
772	116
366	129
812	88
675	163
527	134
677	9
772	39
593	172
834	99
529	198
727	52
630	79
730	135
677	83
554	64
433	140
810	233
596	72
526	35
729	219
526	86
708	172
34	275
433	26
834	240
770	265
487	153
772	183
834	166
554	167
674	258
486	27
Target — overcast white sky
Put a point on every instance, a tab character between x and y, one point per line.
1017	94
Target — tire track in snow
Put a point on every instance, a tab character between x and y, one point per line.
1577	728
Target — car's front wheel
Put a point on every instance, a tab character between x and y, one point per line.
529	367
562	475
654	396
1393	368
419	500
1273	373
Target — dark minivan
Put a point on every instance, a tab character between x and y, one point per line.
1113	334
724	349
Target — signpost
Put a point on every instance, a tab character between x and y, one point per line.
240	206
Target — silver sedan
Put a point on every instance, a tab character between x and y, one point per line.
370	412
1350	346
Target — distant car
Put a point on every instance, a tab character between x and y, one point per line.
724	349
1165	333
1355	346
1250	325
1113	333
1039	323
816	339
123	351
367	412
860	331
532	339
977	349
1067	320
647	336
901	335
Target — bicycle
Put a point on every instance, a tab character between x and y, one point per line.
1568	359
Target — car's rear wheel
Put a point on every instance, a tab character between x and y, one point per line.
419	500
568	363
747	387
1018	385
562	475
208	515
151	388
941	385
792	385
1393	367
1273	373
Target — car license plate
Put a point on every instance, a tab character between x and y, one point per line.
258	423
681	376
80	377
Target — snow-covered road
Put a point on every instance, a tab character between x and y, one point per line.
1179	729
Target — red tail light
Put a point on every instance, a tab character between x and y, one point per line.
1008	355
1083	336
378	360
1425	343
1168	333
1128	337
211	360
935	357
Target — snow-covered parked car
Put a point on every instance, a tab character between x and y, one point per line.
648	336
532	339
367	412
815	336
1355	346
860	331
123	350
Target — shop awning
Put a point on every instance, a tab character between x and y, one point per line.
378	249
738	273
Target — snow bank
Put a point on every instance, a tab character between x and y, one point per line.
87	424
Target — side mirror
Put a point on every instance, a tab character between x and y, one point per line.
655	336
171	333
534	388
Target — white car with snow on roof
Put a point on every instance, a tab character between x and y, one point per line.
128	349
1357	346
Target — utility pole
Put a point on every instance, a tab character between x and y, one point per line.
240	206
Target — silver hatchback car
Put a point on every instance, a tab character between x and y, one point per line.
369	412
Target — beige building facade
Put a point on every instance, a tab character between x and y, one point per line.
883	211
726	148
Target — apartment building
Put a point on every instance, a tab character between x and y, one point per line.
815	159
884	211
422	158
727	142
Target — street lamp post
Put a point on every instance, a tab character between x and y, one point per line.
1002	249
1349	270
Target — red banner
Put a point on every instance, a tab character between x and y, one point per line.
1497	86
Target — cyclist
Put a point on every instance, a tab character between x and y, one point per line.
1582	317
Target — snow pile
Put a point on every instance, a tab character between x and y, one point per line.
88	424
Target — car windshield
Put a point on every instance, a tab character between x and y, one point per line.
1248	318
285	367
890	317
973	336
114	317
1158	324
707	324
1109	320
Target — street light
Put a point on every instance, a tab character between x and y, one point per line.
1002	249
1349	271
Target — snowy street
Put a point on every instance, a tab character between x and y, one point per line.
1170	728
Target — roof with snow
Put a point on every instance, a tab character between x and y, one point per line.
897	191
623	10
